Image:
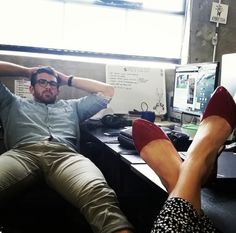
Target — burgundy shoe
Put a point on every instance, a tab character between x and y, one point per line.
213	174
144	131
221	104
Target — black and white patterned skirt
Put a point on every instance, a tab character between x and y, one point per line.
178	215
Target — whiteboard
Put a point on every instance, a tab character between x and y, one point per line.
21	88
134	85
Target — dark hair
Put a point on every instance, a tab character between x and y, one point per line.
44	69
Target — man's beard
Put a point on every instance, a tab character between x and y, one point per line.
46	97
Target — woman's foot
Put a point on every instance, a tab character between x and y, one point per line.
221	105
157	151
210	178
216	125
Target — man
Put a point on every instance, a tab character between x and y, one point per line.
41	139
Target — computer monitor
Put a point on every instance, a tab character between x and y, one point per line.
194	85
228	73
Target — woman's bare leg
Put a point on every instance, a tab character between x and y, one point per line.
163	158
157	150
218	120
211	135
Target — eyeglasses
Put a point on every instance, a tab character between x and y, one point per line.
44	83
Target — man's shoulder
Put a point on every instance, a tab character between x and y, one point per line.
68	101
65	102
5	92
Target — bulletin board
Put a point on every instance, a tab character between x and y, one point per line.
135	85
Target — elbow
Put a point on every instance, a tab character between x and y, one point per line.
109	91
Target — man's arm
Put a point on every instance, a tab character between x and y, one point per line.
88	85
11	69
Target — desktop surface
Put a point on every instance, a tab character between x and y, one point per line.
218	200
112	137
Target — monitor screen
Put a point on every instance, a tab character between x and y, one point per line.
228	73
194	85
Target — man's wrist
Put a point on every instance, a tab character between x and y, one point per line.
69	81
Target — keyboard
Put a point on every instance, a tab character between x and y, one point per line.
125	137
176	136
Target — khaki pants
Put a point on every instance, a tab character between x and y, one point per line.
71	174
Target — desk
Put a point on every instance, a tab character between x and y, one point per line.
148	173
218	201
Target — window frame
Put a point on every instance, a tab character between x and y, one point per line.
81	53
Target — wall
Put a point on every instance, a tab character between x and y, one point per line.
200	48
202	31
75	66
65	65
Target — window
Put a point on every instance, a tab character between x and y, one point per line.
141	29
